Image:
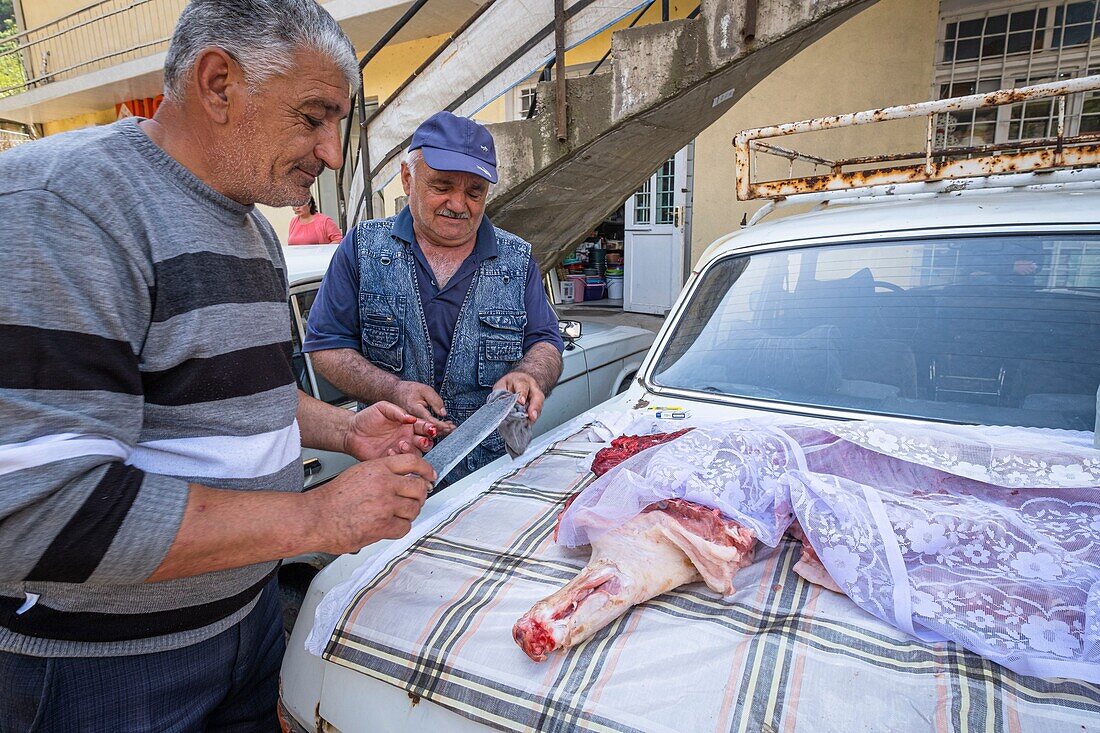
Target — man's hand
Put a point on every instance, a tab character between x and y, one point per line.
530	394
423	402
371	501
384	429
533	377
368	502
351	373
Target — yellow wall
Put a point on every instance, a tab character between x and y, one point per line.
160	17
394	64
103	117
880	57
85	38
40	12
594	48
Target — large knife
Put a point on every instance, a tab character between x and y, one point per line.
451	450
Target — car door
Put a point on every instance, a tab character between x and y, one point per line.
319	465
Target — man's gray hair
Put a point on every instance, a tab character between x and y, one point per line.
261	35
411	158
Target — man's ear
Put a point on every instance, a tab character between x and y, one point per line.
406	178
216	77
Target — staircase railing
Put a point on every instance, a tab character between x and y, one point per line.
96	36
363	120
373	170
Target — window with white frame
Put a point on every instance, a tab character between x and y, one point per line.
666	192
642	204
526	99
985	45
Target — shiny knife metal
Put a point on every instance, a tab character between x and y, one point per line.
474	429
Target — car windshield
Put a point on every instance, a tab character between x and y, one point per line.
997	330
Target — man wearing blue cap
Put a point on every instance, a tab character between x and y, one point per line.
434	308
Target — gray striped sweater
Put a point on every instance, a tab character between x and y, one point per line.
145	332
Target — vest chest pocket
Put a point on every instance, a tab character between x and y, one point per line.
381	320
501	344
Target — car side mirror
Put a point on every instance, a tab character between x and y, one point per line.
570	330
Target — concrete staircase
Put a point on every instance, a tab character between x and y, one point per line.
664	84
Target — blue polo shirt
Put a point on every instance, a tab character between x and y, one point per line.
334	318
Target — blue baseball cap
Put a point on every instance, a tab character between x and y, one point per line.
453	143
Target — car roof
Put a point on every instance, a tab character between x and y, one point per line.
911	214
307	261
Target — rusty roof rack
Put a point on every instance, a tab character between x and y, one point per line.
1058	160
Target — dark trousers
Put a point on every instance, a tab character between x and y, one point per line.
227	683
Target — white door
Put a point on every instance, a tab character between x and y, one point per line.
656	221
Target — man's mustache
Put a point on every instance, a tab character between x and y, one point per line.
453	214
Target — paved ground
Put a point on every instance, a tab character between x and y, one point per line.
615	316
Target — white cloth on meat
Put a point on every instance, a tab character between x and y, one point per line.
989	537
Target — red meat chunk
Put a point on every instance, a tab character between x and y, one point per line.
626	446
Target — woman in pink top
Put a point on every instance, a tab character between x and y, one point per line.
309	227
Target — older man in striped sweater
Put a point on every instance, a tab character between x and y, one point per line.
150	426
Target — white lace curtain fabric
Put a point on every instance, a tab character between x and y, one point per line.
989	537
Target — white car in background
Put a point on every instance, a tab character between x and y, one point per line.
599	361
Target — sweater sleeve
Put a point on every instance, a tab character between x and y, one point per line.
72	325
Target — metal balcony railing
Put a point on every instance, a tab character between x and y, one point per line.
938	165
97	36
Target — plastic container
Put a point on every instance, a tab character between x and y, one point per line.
594	287
578	288
597	258
594	292
615	287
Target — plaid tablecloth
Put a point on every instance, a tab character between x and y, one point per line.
779	655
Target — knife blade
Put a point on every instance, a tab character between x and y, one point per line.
451	450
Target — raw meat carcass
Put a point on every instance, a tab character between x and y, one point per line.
667	545
625	446
809	565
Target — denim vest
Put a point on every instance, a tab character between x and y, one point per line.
488	337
